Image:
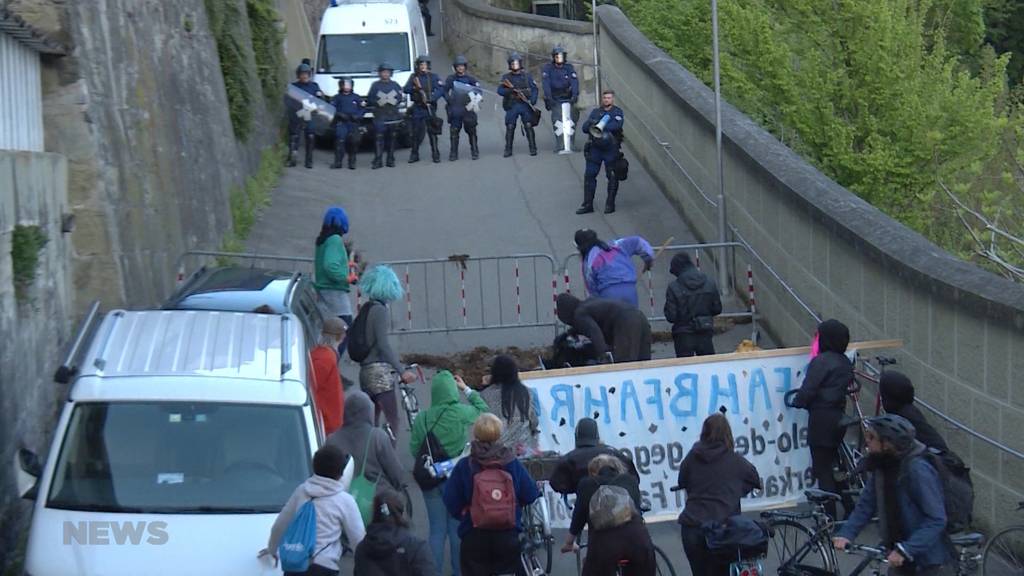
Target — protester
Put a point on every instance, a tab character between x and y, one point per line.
823	394
327	389
336	512
480	493
390	548
330	264
898	398
507	397
715	478
610	325
691	304
905	491
574	466
377	368
608	500
447	419
370	446
608	269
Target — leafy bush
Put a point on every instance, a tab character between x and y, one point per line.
224	17
267	42
26	244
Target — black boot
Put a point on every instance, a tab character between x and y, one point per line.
391	150
414	150
428	20
435	151
588	197
378	152
510	134
352	156
293	150
531	139
474	149
613	190
453	152
339	155
310	143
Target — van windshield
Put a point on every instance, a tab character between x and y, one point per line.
362	53
171	457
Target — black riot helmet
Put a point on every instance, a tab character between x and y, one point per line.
303	68
422	59
557	51
460	60
515	61
385	66
346	82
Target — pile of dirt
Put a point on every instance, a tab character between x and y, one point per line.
472	365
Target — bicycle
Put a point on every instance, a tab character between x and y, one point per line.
536	538
663	566
1004	553
410	402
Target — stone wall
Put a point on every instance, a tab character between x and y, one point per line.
963	328
33	321
486	35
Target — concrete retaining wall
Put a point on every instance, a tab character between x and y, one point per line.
963	327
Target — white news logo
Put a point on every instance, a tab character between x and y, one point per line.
102	533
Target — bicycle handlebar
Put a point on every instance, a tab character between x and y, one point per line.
877	553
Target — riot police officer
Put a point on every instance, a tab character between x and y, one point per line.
383	99
425	88
520	97
463	102
348	110
560	84
602	148
299	128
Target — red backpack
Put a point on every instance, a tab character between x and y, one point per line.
493	506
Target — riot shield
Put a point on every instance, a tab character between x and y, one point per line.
317	112
468	97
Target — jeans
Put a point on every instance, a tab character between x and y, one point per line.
442	525
702	562
687	345
490	552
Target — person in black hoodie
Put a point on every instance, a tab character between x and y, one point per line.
627	539
691	303
823	394
573	467
389	548
611	325
898	398
715	477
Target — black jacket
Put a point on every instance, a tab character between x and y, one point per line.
390	550
825	386
898	398
610	325
693	293
572	467
715	478
589	485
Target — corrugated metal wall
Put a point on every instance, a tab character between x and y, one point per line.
21	112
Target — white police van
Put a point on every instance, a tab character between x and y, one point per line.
183	435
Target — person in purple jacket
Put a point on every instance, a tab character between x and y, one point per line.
608	268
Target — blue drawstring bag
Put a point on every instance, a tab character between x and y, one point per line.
299	541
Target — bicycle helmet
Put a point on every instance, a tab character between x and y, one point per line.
894	429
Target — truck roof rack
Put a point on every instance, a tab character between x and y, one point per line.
69	368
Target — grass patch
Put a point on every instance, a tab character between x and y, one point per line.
26	244
248	201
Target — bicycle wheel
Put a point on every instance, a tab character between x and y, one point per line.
662	563
1004	553
849	458
542	544
796	546
411	404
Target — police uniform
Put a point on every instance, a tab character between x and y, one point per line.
384	98
424	109
348	111
604	150
560	85
462	104
299	128
515	107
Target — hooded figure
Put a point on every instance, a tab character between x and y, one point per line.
361	439
390	548
898	398
611	325
572	467
691	303
510	400
608	269
823	395
330	265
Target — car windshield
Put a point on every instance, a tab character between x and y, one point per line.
362	53
174	457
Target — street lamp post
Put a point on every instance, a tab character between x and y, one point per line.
723	233
597	68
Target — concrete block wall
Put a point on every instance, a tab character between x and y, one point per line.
486	34
963	327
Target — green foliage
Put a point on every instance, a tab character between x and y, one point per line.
224	19
248	201
1004	20
267	45
888	97
26	244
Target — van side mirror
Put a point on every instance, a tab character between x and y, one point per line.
26	473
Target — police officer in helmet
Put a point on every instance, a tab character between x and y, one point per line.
299	128
348	110
519	93
425	89
560	84
383	98
461	92
604	125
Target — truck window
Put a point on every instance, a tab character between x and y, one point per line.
362	53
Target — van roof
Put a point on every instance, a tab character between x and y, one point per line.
195	355
365	18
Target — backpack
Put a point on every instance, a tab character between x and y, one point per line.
957	489
736	537
493	506
358	346
610	507
431	451
296	549
362	490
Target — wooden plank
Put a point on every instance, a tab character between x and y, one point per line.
717	358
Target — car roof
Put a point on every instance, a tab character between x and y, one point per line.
195	355
235	289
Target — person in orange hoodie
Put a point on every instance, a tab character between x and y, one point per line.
327	390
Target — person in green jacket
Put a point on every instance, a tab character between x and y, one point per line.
449	420
331	267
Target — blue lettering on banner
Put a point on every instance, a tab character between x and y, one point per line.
717	391
655	398
562	395
787	379
758	382
684	393
597	408
629	392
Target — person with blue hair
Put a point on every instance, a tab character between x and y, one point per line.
378	367
330	267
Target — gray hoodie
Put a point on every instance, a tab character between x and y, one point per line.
336	514
352	439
